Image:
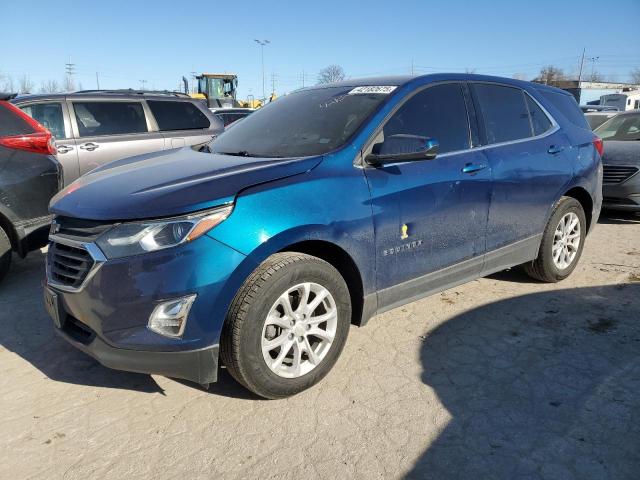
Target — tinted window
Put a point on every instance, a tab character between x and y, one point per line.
539	120
306	122
12	124
437	112
568	108
178	115
623	127
109	118
229	118
504	112
49	115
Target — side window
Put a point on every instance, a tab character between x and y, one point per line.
176	115
568	107
48	115
109	118
539	120
504	112
437	112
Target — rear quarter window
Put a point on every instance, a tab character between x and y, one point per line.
172	115
568	107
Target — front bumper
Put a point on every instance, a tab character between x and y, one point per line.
199	366
622	196
107	316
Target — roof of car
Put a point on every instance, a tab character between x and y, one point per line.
105	94
399	80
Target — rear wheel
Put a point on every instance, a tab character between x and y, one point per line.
287	325
562	243
5	254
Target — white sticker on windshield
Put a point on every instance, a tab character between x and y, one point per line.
384	90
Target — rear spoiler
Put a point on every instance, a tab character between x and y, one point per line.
7	96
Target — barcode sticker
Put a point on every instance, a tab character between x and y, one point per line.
383	90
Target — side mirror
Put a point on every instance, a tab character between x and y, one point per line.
403	148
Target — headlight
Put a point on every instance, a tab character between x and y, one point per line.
134	238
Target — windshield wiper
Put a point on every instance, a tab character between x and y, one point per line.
241	153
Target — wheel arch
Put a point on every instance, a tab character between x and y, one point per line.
341	261
582	196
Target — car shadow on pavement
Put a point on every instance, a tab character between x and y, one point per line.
545	385
613	217
27	331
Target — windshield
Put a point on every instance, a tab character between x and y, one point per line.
303	123
620	127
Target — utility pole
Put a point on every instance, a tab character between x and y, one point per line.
302	78
97	81
69	68
581	65
143	83
262	43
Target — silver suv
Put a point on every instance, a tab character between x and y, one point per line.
94	127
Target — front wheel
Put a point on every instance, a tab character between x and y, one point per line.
562	243
287	325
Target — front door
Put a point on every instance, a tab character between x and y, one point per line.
429	216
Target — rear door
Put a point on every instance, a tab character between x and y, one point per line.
526	151
108	130
54	116
182	123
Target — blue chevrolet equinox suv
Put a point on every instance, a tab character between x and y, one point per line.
328	206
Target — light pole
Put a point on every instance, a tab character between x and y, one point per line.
262	43
593	61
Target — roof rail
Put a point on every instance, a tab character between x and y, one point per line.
131	91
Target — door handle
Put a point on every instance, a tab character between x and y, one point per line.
554	149
473	167
64	148
89	146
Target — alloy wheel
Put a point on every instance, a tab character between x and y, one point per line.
299	330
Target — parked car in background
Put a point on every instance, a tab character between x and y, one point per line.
621	161
319	210
30	176
94	127
230	115
598	108
595	119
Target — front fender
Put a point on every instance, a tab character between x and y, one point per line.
330	203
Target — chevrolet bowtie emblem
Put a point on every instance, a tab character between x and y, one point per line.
404	232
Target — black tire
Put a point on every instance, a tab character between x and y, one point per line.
5	254
240	346
543	268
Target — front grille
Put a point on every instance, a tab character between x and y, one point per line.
68	265
79	229
617	173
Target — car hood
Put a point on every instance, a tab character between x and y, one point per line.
168	183
618	152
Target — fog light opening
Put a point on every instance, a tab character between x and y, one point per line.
170	318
